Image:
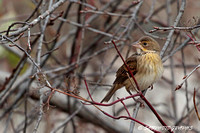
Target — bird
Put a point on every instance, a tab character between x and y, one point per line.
146	66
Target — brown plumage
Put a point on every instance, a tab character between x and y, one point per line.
146	67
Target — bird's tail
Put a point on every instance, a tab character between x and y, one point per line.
110	93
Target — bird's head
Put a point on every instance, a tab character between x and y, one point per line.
147	44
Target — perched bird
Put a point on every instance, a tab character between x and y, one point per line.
146	67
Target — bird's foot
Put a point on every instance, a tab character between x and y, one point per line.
140	101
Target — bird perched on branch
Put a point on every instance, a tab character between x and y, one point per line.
146	67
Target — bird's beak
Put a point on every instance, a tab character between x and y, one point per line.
137	45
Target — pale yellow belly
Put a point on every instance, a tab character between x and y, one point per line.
148	72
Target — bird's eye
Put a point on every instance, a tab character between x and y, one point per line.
145	44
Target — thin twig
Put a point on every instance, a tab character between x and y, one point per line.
169	37
106	13
187	76
195	106
174	28
38	19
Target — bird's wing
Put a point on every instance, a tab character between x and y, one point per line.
121	74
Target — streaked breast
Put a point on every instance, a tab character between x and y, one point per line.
150	69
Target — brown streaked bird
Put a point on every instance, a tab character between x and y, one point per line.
146	67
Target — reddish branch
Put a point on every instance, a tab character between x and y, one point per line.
126	66
194	40
88	90
69	93
195	106
131	118
97	103
118	117
126	108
